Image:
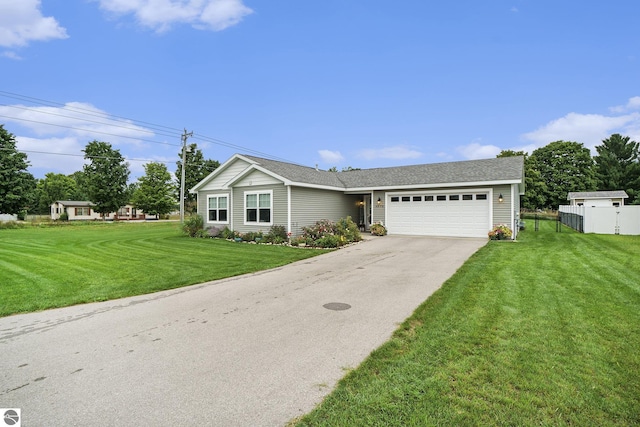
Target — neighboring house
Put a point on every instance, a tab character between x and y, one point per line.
463	199
83	210
597	198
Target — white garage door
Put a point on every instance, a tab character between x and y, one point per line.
439	214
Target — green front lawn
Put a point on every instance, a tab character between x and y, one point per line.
541	332
43	268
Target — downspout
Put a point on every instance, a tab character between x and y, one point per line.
514	217
289	230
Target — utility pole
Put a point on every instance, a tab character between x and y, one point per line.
185	135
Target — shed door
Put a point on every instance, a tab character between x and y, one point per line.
439	214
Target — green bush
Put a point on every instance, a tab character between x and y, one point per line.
329	241
277	234
64	216
202	234
193	225
378	230
252	236
349	229
226	233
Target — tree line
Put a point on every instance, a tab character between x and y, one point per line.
102	181
560	167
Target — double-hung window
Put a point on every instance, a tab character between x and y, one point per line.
218	207
258	207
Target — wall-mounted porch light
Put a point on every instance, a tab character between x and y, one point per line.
500	198
379	201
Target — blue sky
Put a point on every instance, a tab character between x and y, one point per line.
361	83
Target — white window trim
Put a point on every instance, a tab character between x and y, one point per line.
211	196
244	205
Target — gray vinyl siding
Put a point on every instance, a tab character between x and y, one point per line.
278	214
378	214
502	211
309	205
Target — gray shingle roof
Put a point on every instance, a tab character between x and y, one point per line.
470	171
75	203
297	173
597	194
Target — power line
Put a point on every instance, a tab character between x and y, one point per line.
161	130
136	129
79	109
89	130
88	157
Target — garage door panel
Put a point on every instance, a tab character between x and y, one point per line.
459	218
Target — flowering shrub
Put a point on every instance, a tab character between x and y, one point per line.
378	230
500	232
326	234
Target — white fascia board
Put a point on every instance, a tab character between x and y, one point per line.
316	186
219	170
437	185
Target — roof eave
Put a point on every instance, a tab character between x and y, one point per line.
433	185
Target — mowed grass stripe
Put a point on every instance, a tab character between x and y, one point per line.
544	331
53	267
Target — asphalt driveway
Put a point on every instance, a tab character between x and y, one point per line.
256	350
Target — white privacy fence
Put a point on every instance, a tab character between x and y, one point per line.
602	219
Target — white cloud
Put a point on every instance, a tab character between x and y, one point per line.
588	129
397	152
159	15
329	156
21	22
632	104
54	137
74	119
11	55
476	151
61	162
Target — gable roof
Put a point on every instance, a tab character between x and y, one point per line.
503	170
498	170
597	194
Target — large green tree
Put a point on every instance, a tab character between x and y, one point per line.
81	186
564	166
154	193
16	184
617	166
197	169
106	177
535	187
55	186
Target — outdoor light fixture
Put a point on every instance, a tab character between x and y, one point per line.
500	198
379	200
